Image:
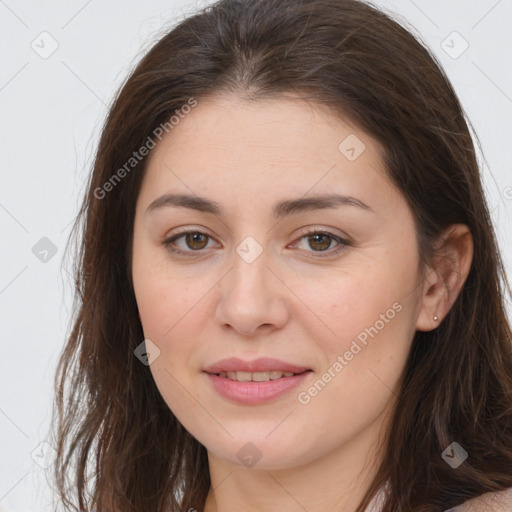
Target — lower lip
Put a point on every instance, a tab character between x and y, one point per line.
253	393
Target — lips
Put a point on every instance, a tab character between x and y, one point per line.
255	382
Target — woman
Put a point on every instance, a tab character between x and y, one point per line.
289	283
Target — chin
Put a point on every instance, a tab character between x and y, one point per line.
256	452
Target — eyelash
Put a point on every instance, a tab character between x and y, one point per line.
167	243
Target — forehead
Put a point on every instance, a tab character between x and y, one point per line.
233	125
267	148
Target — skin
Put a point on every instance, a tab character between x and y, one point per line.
291	303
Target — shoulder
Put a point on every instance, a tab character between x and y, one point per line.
490	502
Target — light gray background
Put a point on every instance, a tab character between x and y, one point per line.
51	112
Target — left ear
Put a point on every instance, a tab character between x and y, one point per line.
453	257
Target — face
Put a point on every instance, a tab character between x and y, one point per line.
284	302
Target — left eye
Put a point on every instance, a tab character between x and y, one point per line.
196	241
321	240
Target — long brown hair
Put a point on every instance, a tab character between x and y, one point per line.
119	446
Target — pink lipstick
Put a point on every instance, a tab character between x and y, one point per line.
255	382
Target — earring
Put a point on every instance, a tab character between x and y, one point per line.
435	318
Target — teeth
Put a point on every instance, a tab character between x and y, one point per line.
255	376
243	376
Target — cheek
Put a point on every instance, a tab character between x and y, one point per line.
171	313
161	306
363	360
359	303
370	314
166	296
171	307
172	317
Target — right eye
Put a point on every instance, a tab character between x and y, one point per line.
196	241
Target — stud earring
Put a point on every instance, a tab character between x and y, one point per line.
435	318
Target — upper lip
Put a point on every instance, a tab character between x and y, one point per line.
264	364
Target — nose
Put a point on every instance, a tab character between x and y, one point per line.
252	297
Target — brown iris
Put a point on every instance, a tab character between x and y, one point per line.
196	240
322	239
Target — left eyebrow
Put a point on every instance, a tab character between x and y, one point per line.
280	210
